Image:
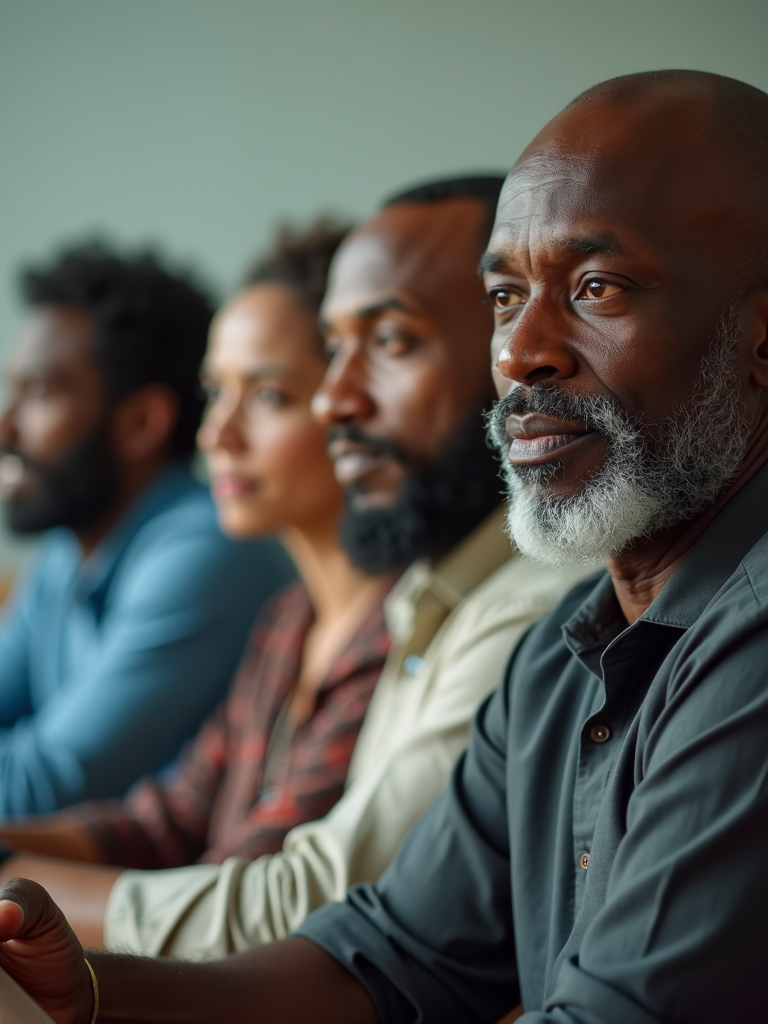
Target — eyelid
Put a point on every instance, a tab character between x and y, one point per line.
512	290
598	278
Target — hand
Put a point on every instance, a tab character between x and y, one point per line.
41	953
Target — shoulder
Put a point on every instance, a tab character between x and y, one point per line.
519	593
731	630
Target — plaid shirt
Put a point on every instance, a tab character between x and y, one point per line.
241	784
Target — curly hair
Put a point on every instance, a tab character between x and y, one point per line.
300	259
151	324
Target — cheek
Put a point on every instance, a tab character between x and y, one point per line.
289	455
48	427
419	411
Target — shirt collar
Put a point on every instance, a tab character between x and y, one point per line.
707	566
96	571
715	556
451	578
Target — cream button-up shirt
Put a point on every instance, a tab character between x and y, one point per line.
453	627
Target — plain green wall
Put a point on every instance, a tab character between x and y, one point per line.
197	124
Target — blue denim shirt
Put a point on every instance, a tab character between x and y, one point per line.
601	853
107	665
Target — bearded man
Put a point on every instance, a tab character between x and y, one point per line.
600	852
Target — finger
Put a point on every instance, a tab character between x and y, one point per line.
11	919
36	904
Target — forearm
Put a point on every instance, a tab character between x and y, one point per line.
55	835
289	982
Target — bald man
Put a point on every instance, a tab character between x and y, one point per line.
600	852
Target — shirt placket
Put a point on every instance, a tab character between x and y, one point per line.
623	667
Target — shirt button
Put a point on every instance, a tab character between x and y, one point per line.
584	861
413	665
599	733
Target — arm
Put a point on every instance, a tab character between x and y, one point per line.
683	928
434	940
15	638
38	949
416	731
165	654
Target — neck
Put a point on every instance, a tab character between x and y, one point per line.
133	482
335	586
641	572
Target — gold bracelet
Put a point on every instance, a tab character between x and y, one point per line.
95	992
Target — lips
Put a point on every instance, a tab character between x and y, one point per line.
352	461
231	485
536	438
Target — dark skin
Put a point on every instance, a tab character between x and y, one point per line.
406	325
641	342
607	274
58	395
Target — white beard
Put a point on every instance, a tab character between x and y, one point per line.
643	486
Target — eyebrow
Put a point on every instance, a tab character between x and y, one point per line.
257	375
585	245
490	262
375	309
576	245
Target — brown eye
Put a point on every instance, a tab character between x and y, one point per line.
391	339
503	298
599	289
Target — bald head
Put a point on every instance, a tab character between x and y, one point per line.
694	141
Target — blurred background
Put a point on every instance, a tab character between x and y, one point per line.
195	126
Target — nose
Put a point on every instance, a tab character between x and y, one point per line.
222	428
535	349
344	395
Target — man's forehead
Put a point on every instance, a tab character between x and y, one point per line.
556	201
54	335
411	247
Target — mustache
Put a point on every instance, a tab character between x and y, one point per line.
26	462
549	400
377	445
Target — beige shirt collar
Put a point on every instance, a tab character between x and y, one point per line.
439	587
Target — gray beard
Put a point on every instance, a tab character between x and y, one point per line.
657	473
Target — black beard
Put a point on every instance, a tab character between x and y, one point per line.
75	491
437	506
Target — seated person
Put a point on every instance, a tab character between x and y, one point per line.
600	851
409	441
111	651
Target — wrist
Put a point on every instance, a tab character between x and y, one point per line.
82	1012
95	985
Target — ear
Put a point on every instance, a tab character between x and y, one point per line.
143	422
756	329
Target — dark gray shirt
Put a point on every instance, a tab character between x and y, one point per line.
602	850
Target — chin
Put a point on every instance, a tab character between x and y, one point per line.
241	524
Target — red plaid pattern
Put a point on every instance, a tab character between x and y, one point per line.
229	795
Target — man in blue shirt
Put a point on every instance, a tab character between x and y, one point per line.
125	631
